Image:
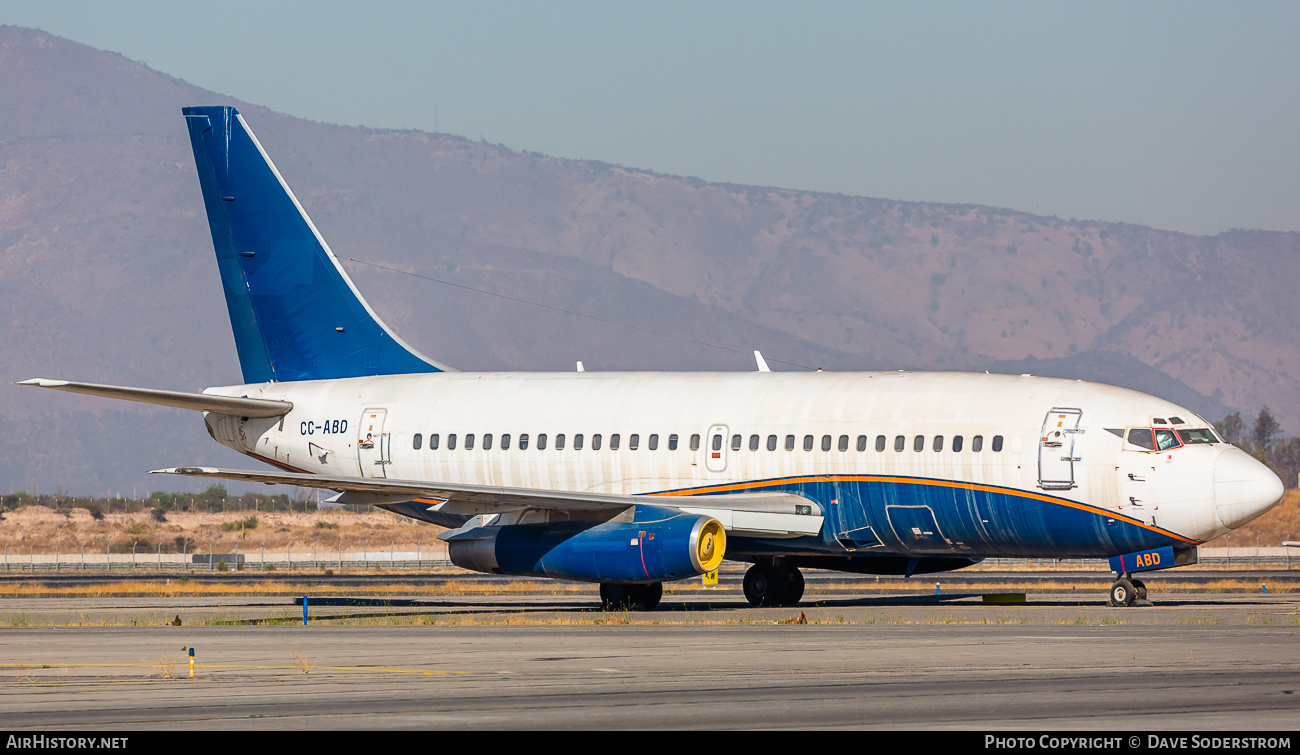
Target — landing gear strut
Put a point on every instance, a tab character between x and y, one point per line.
620	597
769	585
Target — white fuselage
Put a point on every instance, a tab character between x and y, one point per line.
368	427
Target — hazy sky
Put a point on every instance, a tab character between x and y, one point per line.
1181	115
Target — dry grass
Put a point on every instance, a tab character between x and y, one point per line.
1282	523
164	667
303	663
43	529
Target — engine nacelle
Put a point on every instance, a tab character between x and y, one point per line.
674	547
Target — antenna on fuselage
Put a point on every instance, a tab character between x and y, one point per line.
762	363
580	367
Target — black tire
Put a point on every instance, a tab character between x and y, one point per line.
761	585
793	591
615	597
1122	593
1141	589
648	596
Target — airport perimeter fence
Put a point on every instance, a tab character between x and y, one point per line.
342	561
255	560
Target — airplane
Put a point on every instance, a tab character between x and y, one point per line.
633	479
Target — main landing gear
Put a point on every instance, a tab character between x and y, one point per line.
768	585
620	597
1126	591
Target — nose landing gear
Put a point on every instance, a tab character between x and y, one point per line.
1126	592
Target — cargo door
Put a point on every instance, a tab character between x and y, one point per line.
373	446
1057	449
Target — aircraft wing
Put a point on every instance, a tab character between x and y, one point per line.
480	498
759	514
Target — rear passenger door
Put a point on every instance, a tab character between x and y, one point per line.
715	449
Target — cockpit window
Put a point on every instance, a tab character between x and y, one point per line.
1166	439
1192	436
1141	437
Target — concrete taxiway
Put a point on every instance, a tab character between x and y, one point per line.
1192	661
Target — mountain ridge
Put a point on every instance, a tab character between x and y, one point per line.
107	273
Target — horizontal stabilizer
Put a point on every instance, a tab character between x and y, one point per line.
202	402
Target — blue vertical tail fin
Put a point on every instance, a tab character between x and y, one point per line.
295	313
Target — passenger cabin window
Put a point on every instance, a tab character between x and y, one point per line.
417	441
844	443
900	442
695	442
826	442
541	441
613	442
938	443
672	442
577	441
880	443
523	441
653	445
1166	439
789	442
469	441
918	443
633	442
487	441
997	443
505	442
559	441
433	441
977	444
1141	437
807	442
862	442
771	442
451	441
956	443
735	442
595	441
753	442
717	442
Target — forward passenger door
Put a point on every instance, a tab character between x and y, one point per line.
1056	449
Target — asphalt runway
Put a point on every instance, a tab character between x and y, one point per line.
1058	662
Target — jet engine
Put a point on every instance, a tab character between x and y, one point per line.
676	546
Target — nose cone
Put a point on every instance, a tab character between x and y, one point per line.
1243	488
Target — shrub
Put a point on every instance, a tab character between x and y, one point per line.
249	523
221	565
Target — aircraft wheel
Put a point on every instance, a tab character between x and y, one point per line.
1141	589
615	597
761	586
793	587
1122	593
648	596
